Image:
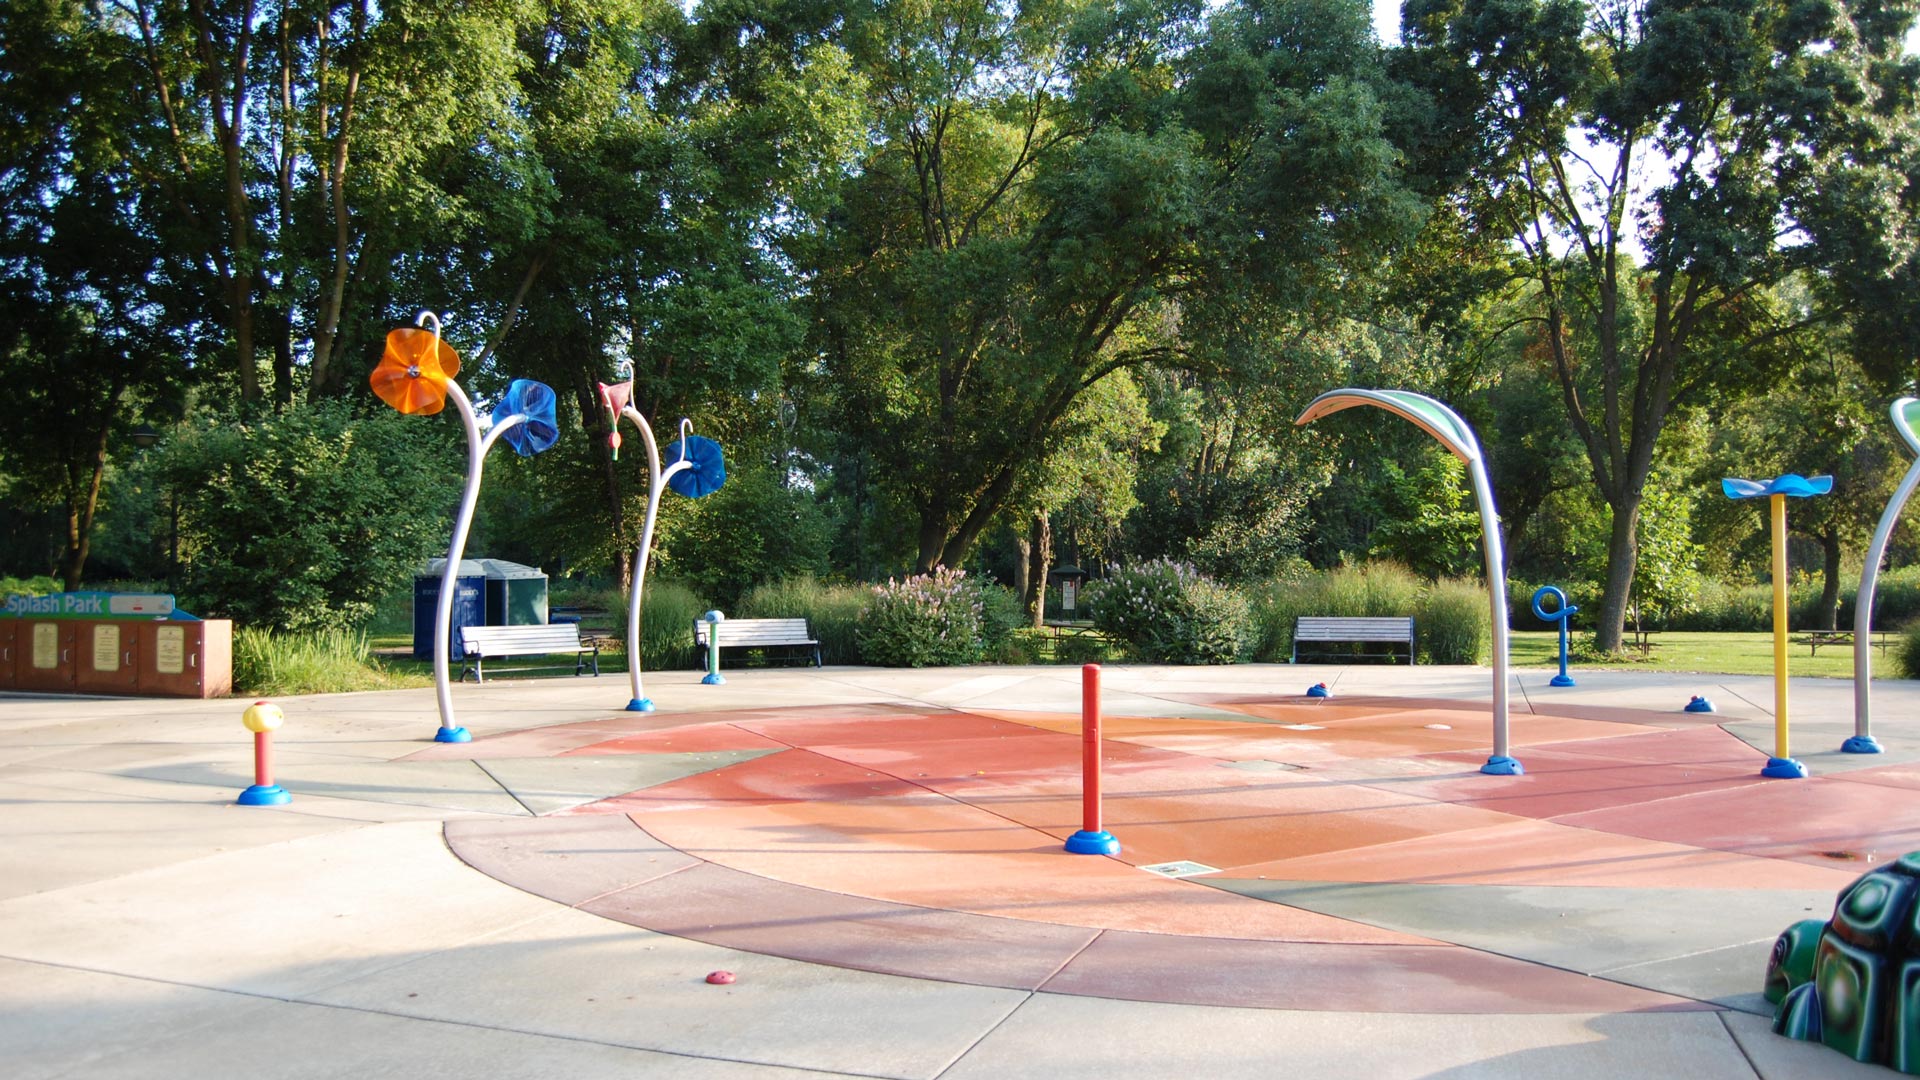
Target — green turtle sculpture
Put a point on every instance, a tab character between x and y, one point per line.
1853	981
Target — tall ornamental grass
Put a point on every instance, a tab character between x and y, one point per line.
1452	623
667	611
1374	590
832	612
1451	620
283	664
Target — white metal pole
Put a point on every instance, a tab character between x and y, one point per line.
656	480
1502	762
477	448
1863	741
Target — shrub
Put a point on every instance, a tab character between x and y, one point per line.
832	612
33	586
305	519
754	529
1166	612
1000	612
1023	645
316	662
1082	649
1451	623
1906	652
930	620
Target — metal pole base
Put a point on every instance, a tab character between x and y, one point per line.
1862	744
713	679
452	734
1560	680
1093	843
1784	768
269	795
640	704
1501	765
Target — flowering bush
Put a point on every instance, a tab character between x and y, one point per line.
930	620
1167	612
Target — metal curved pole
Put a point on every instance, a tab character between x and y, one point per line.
1502	762
1445	425
656	479
477	448
1863	741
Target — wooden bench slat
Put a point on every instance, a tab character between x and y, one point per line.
478	643
1354	628
760	634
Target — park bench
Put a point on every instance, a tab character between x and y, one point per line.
478	644
1813	639
761	634
1394	630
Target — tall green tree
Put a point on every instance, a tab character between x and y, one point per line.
93	330
1734	142
1054	192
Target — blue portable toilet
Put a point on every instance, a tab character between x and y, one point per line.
469	604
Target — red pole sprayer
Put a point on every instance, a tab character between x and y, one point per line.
1091	839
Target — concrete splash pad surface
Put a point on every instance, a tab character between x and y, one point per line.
1382	911
1641	865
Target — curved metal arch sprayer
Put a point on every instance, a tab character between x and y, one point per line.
1437	420
1904	412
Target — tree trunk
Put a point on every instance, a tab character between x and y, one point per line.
1623	552
83	502
933	537
1039	561
1022	576
1828	615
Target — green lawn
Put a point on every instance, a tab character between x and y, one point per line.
1730	654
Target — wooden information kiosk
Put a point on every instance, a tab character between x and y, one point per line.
113	643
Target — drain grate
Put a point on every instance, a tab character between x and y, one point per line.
1181	869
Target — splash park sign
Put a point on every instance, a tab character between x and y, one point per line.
89	605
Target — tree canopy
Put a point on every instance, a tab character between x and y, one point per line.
962	283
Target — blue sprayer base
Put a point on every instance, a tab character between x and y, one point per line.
1862	744
270	795
1698	704
1560	680
640	704
452	734
713	679
1319	690
1093	843
1502	765
1784	768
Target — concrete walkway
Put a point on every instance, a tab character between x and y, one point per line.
151	928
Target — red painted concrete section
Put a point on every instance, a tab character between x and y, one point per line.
923	842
